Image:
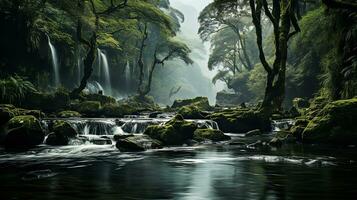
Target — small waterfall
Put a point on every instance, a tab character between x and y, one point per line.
94	87
55	65
283	124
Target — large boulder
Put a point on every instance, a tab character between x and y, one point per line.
241	120
61	134
201	103
334	124
24	131
210	134
137	143
174	132
224	98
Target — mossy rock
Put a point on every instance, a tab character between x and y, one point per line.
68	114
191	112
118	110
200	103
101	98
62	127
241	120
335	124
145	103
89	108
174	132
210	134
24	131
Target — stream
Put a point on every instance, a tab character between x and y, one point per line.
224	170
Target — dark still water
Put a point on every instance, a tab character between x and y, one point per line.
206	172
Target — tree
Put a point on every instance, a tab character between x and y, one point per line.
164	51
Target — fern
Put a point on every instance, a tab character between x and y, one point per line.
14	89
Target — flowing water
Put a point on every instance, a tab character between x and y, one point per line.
214	171
104	72
55	64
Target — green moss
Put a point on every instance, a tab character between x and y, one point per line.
89	107
210	134
201	103
241	120
118	110
174	132
63	128
335	123
68	114
24	131
190	112
101	98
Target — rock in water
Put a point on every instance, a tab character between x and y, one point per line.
241	120
174	132
137	143
62	132
210	134
24	131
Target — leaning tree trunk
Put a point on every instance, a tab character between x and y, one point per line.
88	66
144	92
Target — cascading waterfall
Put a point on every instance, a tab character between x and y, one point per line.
107	81
55	65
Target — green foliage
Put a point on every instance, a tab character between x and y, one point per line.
14	89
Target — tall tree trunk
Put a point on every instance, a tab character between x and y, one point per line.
141	59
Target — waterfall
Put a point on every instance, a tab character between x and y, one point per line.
79	66
127	76
55	65
107	81
103	67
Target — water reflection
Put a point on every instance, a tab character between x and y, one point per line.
176	173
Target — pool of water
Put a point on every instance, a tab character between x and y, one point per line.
202	172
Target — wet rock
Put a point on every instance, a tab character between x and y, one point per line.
282	137
137	143
174	132
68	114
120	137
24	131
253	133
64	128
210	134
241	120
201	103
334	124
56	139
